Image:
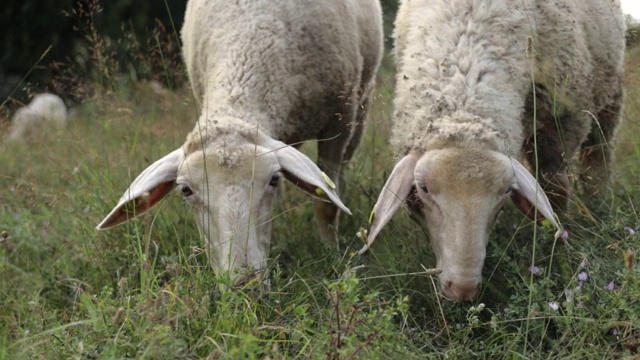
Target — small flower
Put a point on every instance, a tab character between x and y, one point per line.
568	294
629	230
565	235
614	331
611	286
583	276
12	188
554	306
535	270
362	234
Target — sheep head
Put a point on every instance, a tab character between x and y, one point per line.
230	183
458	193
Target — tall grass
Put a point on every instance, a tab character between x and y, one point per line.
144	289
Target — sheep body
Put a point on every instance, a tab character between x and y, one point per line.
475	80
265	74
477	84
43	109
263	58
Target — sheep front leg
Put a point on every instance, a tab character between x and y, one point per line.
596	151
559	133
329	160
553	171
332	154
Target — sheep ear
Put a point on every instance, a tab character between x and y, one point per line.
305	174
527	194
151	186
394	193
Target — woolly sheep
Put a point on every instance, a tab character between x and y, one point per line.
466	107
267	74
43	109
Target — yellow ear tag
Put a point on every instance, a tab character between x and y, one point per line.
320	192
327	179
548	223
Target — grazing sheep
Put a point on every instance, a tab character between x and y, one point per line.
475	78
267	73
44	109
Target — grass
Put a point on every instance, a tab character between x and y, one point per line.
144	290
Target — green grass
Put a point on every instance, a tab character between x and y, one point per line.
144	290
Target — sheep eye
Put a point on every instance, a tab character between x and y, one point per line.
274	180
185	190
424	188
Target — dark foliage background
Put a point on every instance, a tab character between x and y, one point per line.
51	43
43	39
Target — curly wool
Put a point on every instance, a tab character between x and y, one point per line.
466	67
257	61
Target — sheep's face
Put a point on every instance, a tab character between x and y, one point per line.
231	191
230	181
458	193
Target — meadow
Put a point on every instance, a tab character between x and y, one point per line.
144	290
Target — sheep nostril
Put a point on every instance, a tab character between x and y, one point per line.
448	284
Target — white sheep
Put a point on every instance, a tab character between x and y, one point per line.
44	109
475	78
266	74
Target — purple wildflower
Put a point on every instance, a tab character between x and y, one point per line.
583	276
12	188
565	235
535	270
614	331
611	286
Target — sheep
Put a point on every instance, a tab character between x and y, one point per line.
44	109
475	78
265	74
